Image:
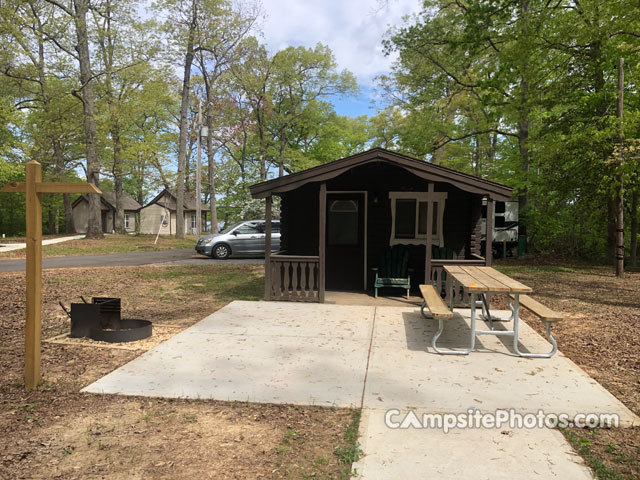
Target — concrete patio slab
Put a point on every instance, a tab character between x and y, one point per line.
380	358
290	319
258	352
478	454
404	372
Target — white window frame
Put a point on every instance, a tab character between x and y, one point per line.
419	239
194	223
126	221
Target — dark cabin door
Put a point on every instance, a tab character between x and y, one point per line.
345	241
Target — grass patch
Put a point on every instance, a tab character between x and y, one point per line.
349	452
322	455
226	282
110	244
607	460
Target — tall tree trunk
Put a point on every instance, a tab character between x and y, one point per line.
610	247
68	214
117	180
634	227
56	227
56	144
619	258
476	156
108	48
51	218
524	125
261	141
139	175
184	112
211	157
523	140
94	227
281	159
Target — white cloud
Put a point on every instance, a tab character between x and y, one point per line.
353	29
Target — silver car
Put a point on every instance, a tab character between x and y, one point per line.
244	238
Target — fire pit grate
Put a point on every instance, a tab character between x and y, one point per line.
100	320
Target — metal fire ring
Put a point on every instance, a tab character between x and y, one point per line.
130	331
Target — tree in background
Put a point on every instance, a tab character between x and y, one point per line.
221	52
77	11
37	71
522	92
193	26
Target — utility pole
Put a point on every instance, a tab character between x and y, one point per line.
619	180
198	170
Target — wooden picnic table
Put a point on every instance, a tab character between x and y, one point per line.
480	282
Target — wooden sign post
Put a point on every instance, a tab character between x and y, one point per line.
34	188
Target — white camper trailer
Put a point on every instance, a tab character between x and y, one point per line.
505	228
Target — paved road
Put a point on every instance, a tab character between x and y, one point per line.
171	257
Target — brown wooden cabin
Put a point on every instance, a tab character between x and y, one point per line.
336	219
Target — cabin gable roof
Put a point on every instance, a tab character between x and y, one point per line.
167	199
420	168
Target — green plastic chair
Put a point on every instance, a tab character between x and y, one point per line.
393	269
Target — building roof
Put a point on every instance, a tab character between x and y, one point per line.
420	168
128	202
109	201
167	198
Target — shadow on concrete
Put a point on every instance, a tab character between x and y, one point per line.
419	333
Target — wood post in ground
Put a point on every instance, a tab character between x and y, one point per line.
34	276
34	188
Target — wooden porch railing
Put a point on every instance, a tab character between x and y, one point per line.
295	278
443	282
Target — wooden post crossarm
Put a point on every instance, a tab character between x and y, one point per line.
51	187
34	187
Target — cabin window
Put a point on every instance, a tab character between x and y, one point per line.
409	217
193	221
422	219
126	221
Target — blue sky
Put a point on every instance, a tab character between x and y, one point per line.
353	29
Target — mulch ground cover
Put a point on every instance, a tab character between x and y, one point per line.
601	333
57	432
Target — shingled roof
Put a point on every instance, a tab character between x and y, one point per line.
167	198
109	201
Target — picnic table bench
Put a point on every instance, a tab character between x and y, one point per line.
434	303
481	281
